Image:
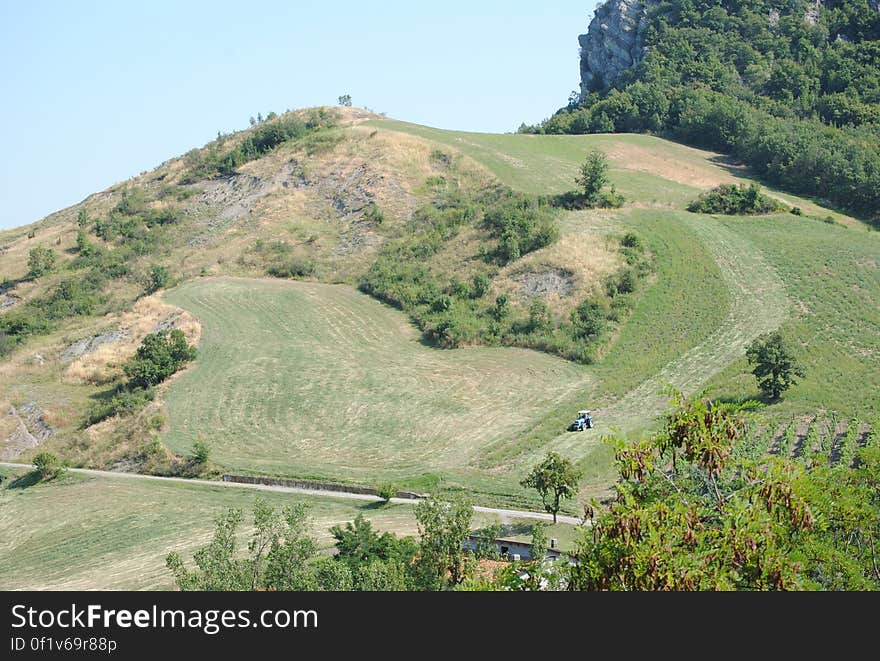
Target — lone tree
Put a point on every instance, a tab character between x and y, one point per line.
554	478
345	100
776	367
593	176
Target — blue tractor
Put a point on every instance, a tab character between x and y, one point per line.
583	422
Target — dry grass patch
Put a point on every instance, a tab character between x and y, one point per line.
696	171
585	252
104	364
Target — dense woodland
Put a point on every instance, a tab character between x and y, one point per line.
793	94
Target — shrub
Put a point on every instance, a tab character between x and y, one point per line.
7	343
70	298
123	402
480	285
522	224
730	199
200	453
159	356
588	319
610	199
374	214
41	261
159	279
47	466
24	322
631	240
386	492
539	315
459	289
293	267
502	307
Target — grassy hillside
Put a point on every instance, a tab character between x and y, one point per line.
322	381
317	380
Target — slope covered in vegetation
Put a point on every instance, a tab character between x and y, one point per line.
789	88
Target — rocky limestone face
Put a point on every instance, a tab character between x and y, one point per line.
614	43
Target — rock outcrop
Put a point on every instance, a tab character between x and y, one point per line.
614	42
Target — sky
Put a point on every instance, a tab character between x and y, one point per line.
96	92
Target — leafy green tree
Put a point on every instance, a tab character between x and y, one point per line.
41	261
359	544
593	176
159	356
688	517
443	528
345	100
555	478
776	367
278	556
333	576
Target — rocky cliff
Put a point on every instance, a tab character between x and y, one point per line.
614	42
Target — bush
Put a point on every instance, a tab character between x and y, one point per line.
41	261
23	322
480	285
631	240
733	200
123	402
159	279
159	356
70	298
47	466
386	492
588	319
200	453
374	214
213	161
293	267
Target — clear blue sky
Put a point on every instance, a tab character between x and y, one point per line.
95	92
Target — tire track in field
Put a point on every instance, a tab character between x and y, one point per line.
758	304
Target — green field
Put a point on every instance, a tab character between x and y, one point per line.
832	278
101	533
319	380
